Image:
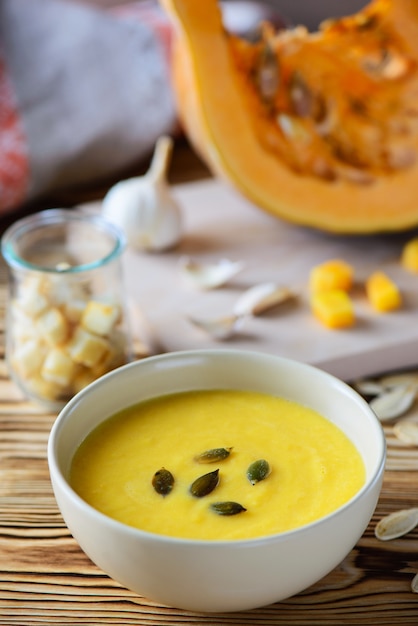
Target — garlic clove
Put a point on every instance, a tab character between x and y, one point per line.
209	276
262	297
144	208
220	328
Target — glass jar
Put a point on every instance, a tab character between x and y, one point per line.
67	322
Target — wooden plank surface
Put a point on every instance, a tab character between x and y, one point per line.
45	578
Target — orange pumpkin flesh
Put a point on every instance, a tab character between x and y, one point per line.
319	129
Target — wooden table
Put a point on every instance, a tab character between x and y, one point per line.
45	578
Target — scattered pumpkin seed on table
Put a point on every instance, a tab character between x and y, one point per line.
393	402
407	431
396	524
369	387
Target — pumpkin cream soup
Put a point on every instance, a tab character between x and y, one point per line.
217	464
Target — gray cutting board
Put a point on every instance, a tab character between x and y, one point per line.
219	223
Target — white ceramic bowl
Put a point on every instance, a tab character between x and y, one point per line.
217	575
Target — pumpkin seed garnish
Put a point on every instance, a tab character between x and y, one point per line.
227	508
257	471
213	455
414	584
396	524
163	481
205	484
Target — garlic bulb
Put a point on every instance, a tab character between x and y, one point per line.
143	207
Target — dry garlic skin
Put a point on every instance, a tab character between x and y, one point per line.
313	468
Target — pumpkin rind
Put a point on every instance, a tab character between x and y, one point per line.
227	125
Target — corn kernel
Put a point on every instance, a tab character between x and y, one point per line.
99	317
333	274
383	293
333	308
409	256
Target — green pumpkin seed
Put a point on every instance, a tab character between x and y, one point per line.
213	455
227	508
257	471
205	484
163	481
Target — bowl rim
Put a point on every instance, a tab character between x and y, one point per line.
58	477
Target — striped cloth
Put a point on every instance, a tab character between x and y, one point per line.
84	93
14	158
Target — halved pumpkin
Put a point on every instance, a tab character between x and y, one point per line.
320	129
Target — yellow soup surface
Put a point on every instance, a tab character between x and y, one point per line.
314	467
